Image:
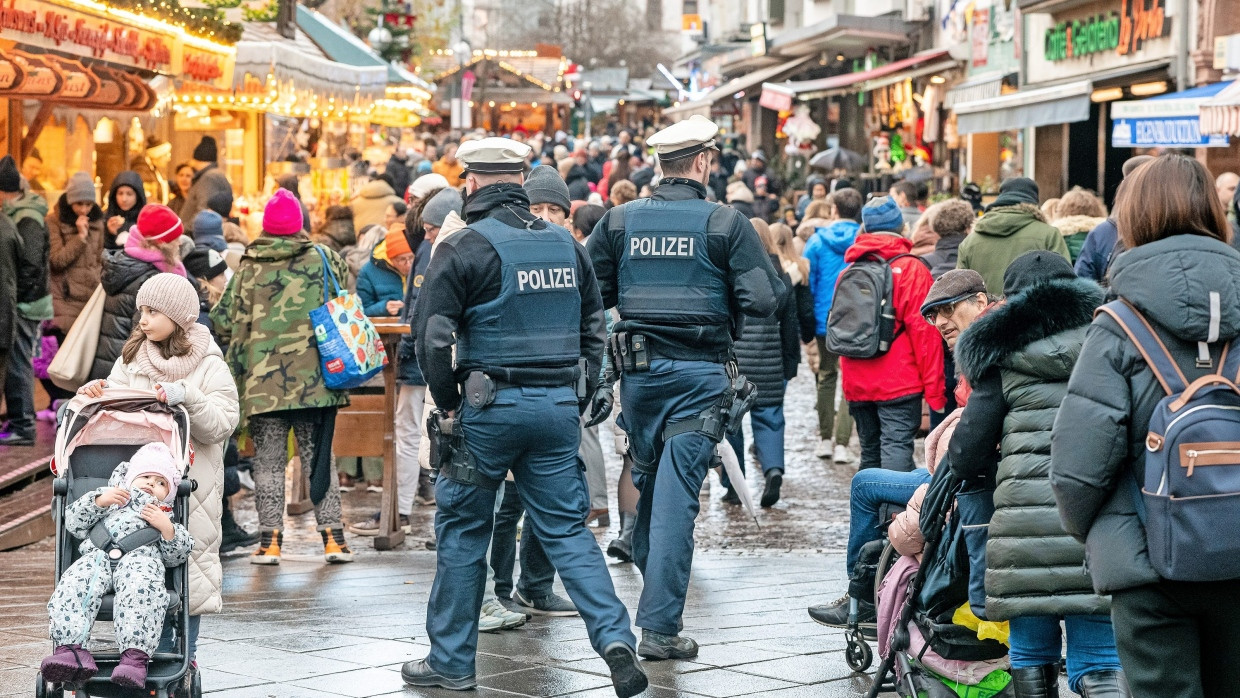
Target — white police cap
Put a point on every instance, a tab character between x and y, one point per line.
685	138
493	156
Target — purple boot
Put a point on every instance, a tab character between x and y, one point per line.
132	669
68	664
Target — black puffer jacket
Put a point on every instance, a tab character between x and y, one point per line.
122	277
1033	567
769	349
1099	438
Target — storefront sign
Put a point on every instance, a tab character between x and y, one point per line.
1124	32
1165	132
776	99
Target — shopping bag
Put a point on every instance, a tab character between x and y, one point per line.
71	367
350	351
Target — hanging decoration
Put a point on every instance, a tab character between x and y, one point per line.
203	22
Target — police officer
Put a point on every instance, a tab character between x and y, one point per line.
517	298
681	271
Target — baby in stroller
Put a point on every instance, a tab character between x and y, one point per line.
128	541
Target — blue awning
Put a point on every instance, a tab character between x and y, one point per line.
1166	121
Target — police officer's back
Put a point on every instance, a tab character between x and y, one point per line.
517	299
682	272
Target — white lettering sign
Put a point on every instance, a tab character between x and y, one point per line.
661	246
546	279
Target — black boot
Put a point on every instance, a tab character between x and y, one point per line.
622	547
774	480
1036	682
232	535
1105	684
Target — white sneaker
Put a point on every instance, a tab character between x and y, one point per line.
842	455
508	619
824	448
489	624
246	480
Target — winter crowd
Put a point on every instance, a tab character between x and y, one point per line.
1038	404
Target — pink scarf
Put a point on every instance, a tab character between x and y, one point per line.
151	362
134	248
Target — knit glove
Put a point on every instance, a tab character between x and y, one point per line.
175	392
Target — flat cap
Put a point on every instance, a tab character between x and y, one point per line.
493	156
952	287
684	138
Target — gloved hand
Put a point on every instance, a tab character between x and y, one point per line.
600	405
172	393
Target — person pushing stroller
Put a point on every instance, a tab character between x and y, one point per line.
138	497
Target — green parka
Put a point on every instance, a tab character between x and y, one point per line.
1003	234
264	318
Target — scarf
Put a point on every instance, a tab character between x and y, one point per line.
134	248
508	195
151	362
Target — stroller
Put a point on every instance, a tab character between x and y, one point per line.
94	436
938	587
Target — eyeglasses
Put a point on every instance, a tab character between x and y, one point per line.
946	310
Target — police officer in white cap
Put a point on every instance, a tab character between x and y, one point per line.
681	271
517	298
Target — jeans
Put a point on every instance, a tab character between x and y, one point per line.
886	430
168	638
767	424
871	489
537	572
831	423
1037	640
19	377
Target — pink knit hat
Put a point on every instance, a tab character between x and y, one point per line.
282	216
155	459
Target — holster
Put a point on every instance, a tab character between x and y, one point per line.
724	417
448	455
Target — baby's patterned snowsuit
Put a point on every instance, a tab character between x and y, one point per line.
138	578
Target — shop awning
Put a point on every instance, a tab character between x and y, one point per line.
1166	121
1222	113
729	89
1060	104
263	51
339	44
975	89
924	63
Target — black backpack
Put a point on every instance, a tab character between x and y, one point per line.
862	321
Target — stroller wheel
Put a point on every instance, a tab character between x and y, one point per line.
40	686
858	654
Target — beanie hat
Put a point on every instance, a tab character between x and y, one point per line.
155	459
208	224
158	223
426	184
206	151
952	287
737	191
79	189
396	244
282	216
881	215
10	178
173	295
1035	267
544	186
205	263
441	204
1017	190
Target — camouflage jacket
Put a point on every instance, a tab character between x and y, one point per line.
264	317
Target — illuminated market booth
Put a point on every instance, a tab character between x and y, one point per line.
506	91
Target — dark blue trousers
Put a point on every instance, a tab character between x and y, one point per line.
535	433
670	391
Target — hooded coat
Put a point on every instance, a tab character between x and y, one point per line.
1030	345
1099	436
74	264
133	180
1002	235
825	251
1075	229
914	364
370	202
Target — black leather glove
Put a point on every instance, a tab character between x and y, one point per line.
600	405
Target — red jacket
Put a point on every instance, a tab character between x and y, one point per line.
915	362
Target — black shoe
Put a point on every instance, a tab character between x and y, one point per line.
16	438
627	675
835	615
774	480
233	536
419	673
622	547
730	497
1104	684
659	646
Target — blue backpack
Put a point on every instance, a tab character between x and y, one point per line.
1189	501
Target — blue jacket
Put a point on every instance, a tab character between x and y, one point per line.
1096	253
825	252
407	370
378	283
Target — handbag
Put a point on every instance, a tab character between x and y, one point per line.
350	351
71	367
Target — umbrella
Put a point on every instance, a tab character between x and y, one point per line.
733	468
839	159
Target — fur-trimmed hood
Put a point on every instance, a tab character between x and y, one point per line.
1040	312
1071	225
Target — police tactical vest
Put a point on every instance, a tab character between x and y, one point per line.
665	273
536	318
